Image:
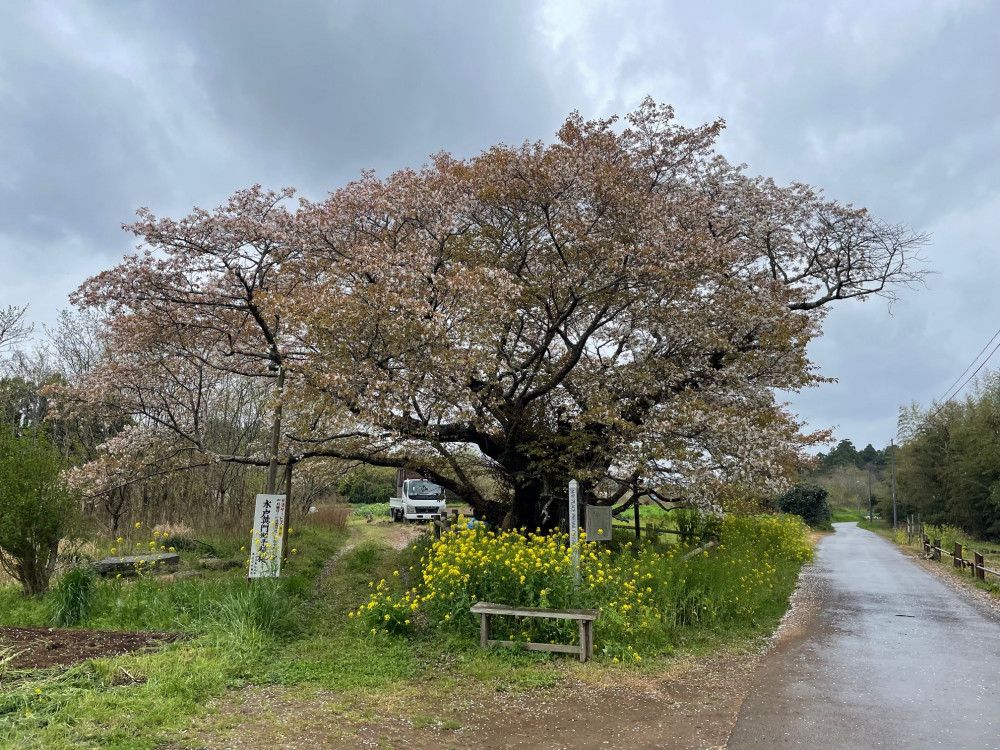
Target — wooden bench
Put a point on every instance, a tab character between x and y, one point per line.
585	617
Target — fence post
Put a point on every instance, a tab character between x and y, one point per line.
936	549
957	562
927	543
979	564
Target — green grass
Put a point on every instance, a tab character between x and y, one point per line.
238	632
839	515
288	635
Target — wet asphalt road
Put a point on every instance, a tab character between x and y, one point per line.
891	657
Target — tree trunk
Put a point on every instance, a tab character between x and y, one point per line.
527	506
36	572
272	468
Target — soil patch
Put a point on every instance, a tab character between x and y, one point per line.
37	648
401	534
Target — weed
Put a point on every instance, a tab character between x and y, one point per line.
333	518
262	608
364	556
73	597
423	721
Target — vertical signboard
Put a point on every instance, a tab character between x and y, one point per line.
598	522
268	537
574	528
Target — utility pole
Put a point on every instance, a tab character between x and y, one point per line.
869	493
892	458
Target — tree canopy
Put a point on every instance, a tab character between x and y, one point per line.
845	454
949	463
618	306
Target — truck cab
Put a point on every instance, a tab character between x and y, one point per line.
417	500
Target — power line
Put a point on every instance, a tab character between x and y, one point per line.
946	398
974	373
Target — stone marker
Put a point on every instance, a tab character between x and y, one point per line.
126	563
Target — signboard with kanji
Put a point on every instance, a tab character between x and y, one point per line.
268	535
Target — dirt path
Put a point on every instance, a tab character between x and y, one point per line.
399	535
396	535
892	658
691	707
332	562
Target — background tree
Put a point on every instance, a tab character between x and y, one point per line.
37	508
367	485
14	327
949	463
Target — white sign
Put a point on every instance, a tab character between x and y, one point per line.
268	537
574	528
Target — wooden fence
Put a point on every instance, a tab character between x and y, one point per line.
932	547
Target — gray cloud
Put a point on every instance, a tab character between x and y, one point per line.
889	105
316	91
110	105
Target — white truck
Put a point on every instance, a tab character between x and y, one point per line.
416	500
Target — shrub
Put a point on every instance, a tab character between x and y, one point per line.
808	501
37	509
694	522
376	509
643	594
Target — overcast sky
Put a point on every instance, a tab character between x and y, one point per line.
889	104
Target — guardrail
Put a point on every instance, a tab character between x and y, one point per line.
933	548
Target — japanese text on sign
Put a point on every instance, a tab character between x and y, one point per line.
268	537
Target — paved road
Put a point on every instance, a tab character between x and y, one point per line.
891	657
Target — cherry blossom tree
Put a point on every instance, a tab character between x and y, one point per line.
194	327
619	306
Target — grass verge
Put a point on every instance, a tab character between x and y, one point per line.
294	638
